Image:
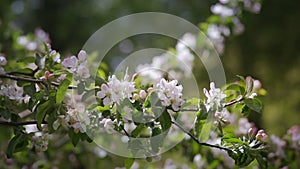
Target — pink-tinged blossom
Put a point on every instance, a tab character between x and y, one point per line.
243	126
294	132
115	90
82	56
143	94
278	146
77	65
13	92
2	71
170	93
70	63
261	136
215	98
83	72
61	77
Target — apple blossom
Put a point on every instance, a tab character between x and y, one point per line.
170	93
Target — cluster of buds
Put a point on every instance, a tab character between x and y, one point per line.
47	76
260	135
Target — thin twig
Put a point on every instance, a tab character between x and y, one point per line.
21	123
23	73
25	79
7	76
197	141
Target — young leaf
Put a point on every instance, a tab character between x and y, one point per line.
75	137
42	110
128	162
254	104
165	120
17	143
61	91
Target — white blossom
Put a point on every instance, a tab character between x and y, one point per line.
115	90
108	125
3	60
170	93
215	98
13	92
222	10
77	65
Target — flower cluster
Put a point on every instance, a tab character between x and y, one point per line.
226	9
108	125
170	93
77	65
215	98
115	90
36	43
14	92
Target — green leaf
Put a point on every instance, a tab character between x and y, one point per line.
128	162
262	161
88	94
137	131
75	137
206	127
165	120
254	104
156	139
80	87
42	110
30	89
17	143
61	91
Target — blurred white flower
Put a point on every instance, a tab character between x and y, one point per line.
2	71
170	93
222	10
13	92
3	60
55	56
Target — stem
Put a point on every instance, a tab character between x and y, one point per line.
23	73
25	79
21	123
197	141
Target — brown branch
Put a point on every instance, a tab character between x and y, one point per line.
25	79
21	123
23	73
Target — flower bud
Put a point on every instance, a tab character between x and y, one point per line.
150	89
143	94
135	96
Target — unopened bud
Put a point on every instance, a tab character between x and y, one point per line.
135	96
143	94
150	89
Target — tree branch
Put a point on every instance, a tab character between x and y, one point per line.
197	141
21	123
25	79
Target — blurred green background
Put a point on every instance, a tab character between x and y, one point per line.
269	49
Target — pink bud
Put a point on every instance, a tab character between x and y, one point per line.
150	89
143	94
